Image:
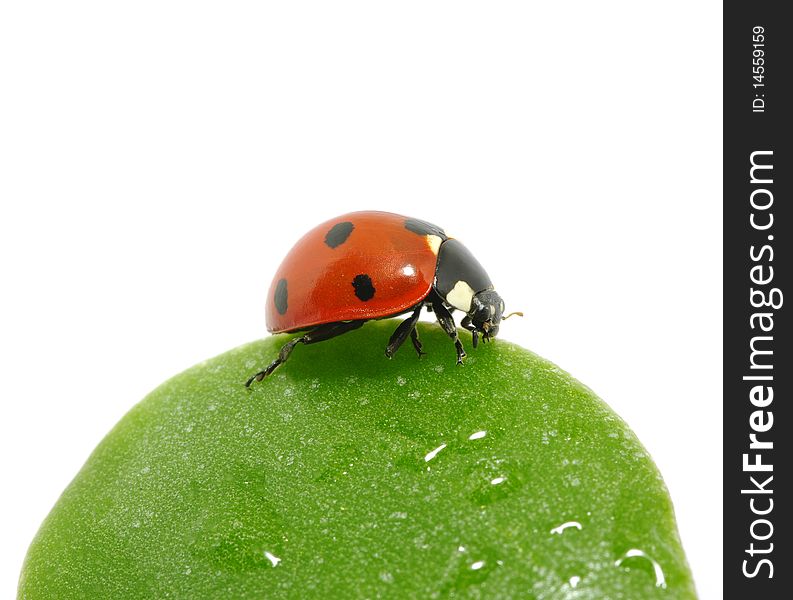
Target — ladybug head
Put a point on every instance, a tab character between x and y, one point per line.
487	310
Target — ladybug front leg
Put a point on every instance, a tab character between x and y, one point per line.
320	334
447	322
406	327
466	324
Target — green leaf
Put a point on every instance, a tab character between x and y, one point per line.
349	475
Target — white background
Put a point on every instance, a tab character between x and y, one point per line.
157	159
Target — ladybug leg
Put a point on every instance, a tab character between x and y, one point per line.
320	334
466	324
414	337
406	327
447	322
283	355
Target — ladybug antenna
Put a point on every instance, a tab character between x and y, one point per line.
520	314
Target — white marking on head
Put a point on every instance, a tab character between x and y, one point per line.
434	242
408	271
461	296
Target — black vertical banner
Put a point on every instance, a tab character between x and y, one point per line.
758	365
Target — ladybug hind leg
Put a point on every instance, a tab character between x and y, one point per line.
406	328
320	334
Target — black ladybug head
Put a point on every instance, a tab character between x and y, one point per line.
463	283
487	310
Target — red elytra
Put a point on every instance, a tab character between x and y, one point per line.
315	281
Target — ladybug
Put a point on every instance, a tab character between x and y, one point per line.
374	265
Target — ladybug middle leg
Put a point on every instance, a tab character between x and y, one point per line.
414	337
320	334
406	327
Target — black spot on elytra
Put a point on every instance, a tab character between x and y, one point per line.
363	287
280	297
338	234
424	228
